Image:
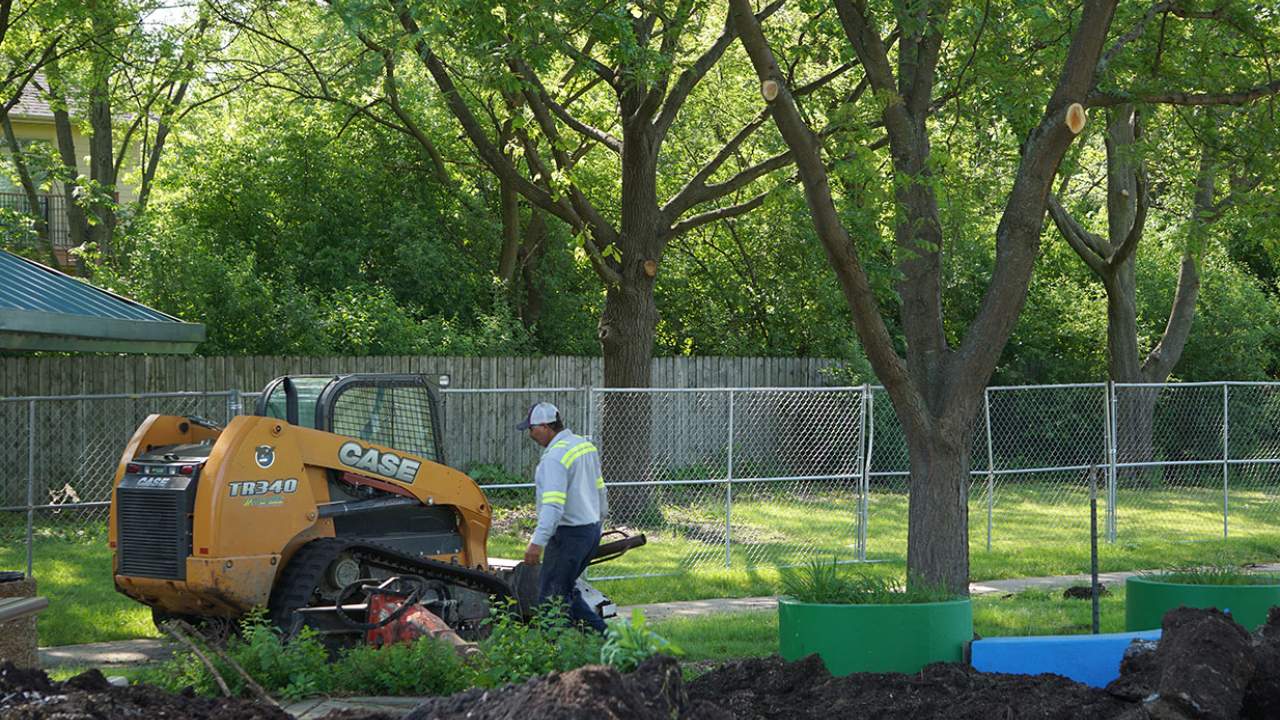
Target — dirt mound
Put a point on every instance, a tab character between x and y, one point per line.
773	688
30	695
653	692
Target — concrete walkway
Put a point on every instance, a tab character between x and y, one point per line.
135	652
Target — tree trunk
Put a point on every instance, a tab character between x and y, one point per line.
102	171
1135	411
530	254
1135	407
938	513
77	222
510	232
627	328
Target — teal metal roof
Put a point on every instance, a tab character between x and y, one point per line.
43	309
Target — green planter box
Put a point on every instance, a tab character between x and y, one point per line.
1146	600
875	638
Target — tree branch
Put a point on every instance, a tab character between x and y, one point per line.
729	211
542	98
1239	97
1131	238
1086	245
841	253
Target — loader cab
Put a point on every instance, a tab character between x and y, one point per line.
394	410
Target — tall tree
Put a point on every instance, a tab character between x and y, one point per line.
937	386
1112	256
586	82
127	88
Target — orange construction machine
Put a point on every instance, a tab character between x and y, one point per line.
333	492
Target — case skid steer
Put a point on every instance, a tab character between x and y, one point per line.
330	506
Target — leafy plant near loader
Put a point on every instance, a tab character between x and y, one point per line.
632	642
513	652
516	651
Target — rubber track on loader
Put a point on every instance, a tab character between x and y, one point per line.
307	567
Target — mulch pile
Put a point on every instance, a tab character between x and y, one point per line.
1206	666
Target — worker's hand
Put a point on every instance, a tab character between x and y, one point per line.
533	554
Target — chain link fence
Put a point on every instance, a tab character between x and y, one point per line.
747	477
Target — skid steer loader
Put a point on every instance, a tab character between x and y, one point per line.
332	496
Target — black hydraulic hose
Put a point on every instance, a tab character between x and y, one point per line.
419	587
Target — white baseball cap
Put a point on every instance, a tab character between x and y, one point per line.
543	413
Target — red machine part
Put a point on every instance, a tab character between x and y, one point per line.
416	622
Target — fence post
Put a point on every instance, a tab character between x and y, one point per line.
864	515
31	480
591	415
860	541
1226	457
234	406
728	490
1110	407
991	466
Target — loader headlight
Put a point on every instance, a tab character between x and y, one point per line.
443	380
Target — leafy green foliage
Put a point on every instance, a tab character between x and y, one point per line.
630	642
831	583
515	651
291	670
423	667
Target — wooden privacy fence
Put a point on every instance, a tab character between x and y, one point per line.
109	375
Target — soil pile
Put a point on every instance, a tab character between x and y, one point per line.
771	688
595	692
1205	666
30	695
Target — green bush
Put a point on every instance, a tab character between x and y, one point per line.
831	583
515	651
290	670
631	642
423	667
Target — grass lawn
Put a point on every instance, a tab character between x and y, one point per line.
1038	529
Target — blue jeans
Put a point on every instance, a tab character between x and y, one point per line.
565	558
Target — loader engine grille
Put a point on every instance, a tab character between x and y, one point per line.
153	517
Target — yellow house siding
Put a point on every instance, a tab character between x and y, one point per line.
36	129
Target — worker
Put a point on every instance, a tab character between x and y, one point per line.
571	503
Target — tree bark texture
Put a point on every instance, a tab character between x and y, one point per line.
939	507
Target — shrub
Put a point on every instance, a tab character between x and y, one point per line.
515	651
630	643
297	668
290	670
424	667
